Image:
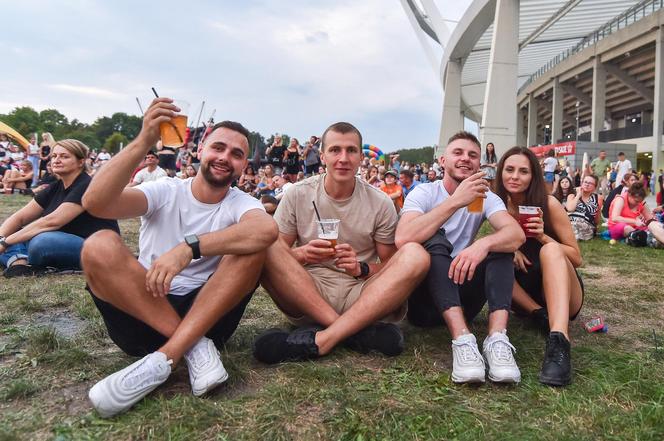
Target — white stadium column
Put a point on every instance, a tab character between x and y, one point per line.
557	112
500	106
452	120
532	120
599	99
658	111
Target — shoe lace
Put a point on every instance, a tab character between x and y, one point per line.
468	352
555	352
143	374
198	356
502	350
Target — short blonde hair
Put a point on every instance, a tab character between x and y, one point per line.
76	148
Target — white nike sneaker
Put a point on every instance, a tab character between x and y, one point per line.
205	368
499	354
468	364
121	390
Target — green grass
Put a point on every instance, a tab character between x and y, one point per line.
617	394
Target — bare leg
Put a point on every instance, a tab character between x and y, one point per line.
498	321
657	231
521	298
384	293
292	288
219	295
562	289
103	257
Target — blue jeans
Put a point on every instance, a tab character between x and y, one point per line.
51	248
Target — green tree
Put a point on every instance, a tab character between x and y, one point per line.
51	120
113	142
25	120
128	125
416	155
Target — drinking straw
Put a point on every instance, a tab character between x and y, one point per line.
322	227
172	125
139	106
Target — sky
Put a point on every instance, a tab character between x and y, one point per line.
286	66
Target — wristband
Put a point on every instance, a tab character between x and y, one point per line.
647	223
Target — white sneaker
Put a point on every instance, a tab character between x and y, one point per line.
121	390
499	354
205	368
468	364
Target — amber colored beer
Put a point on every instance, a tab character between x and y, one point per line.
174	132
332	238
476	206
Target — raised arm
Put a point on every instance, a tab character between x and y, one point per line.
107	196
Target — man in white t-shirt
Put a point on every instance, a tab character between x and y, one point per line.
622	166
550	165
151	171
281	186
464	273
103	156
354	292
201	249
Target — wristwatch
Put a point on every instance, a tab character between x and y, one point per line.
194	244
364	270
3	243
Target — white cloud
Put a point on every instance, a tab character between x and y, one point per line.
87	90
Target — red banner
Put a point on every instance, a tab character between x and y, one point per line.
562	149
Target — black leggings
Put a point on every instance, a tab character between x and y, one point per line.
492	283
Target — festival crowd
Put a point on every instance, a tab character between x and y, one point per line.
216	224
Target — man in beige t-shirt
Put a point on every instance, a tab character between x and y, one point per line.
351	293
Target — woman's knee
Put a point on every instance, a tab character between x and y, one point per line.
551	250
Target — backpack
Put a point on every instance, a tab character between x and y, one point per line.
637	238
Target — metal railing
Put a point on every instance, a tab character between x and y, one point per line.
630	132
632	15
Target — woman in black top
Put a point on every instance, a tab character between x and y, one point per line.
546	286
49	231
292	160
45	151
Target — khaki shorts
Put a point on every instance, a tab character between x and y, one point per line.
341	291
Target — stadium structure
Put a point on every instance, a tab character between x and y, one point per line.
546	72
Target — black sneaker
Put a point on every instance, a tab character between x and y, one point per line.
540	320
278	345
385	338
29	270
557	365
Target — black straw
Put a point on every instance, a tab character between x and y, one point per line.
155	92
318	216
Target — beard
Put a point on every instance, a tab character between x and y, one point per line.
213	180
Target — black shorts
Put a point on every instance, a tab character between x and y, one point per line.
138	339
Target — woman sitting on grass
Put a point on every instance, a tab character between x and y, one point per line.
585	208
547	286
49	231
629	213
621	189
20	179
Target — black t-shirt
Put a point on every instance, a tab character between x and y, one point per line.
45	151
83	225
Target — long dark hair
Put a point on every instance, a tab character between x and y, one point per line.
558	194
490	158
536	194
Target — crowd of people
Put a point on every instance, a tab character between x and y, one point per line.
215	226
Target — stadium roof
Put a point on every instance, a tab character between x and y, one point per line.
547	28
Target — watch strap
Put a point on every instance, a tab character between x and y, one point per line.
194	243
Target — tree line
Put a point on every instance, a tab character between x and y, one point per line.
119	129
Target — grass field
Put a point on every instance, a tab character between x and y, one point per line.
54	347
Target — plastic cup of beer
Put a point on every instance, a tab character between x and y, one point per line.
173	133
525	213
476	206
328	229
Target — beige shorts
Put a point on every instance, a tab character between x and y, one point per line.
341	291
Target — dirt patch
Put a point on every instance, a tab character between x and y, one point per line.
65	323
